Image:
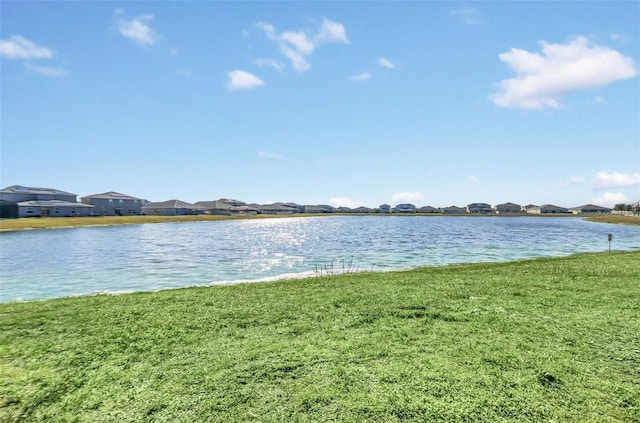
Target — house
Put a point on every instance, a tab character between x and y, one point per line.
590	209
384	208
21	201
405	208
454	210
344	209
506	208
276	208
226	207
114	204
362	209
171	208
429	209
18	193
53	208
529	207
547	209
322	208
479	208
8	210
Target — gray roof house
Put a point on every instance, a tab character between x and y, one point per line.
454	210
479	208
343	209
276	208
429	209
362	209
320	208
53	208
171	208
226	207
405	208
384	208
21	201
590	209
114	204
18	193
505	208
547	209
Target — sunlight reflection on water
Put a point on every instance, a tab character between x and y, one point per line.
56	263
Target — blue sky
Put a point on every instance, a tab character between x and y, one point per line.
342	103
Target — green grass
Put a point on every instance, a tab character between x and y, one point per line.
538	340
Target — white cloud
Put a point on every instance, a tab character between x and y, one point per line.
473	179
297	46
241	80
137	29
47	71
610	199
543	78
361	76
620	37
469	16
611	180
270	156
385	63
407	197
345	202
18	47
331	32
270	63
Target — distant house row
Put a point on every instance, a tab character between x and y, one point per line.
20	201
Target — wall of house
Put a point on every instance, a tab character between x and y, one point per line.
110	207
62	211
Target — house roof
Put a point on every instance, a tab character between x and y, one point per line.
19	189
52	203
590	207
551	206
214	205
172	204
111	195
508	204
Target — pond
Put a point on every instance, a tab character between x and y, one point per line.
43	264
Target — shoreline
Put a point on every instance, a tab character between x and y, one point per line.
24	224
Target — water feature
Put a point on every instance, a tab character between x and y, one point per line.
43	264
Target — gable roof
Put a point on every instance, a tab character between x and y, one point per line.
111	195
590	207
19	189
172	204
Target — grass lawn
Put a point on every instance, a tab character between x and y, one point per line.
554	339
